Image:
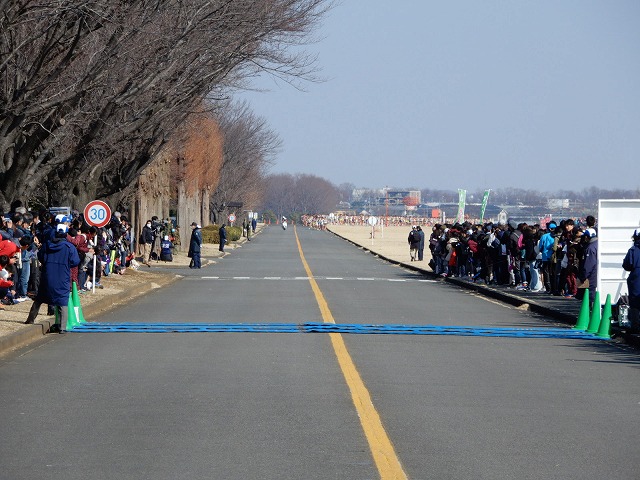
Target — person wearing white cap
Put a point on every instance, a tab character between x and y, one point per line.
166	249
64	219
631	264
57	257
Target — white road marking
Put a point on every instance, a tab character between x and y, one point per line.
491	300
360	279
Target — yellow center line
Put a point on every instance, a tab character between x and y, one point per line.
384	455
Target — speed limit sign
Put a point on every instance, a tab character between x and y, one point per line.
97	213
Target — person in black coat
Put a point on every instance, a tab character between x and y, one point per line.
631	264
194	245
223	237
421	244
147	237
589	268
414	243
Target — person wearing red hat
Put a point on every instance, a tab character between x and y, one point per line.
8	248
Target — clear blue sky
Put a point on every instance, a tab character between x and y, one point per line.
467	94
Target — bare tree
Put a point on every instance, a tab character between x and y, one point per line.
198	150
278	194
313	194
291	195
346	192
249	147
91	90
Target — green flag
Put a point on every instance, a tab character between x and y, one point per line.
485	199
462	200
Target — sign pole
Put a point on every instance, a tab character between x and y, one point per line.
372	221
93	282
97	214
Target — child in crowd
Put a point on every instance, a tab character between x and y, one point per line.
166	250
100	258
7	289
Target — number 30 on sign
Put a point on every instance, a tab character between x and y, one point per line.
97	213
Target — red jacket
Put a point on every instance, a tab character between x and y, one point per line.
8	248
6	283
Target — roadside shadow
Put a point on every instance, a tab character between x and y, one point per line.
609	352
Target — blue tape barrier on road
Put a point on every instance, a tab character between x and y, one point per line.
390	329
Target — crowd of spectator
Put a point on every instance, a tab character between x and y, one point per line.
558	258
24	233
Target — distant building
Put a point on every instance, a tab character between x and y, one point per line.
396	197
554	203
358	193
384	196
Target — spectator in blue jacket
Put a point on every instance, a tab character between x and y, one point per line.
57	257
421	244
166	249
545	245
631	264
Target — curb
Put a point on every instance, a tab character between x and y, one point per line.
24	337
39	330
206	261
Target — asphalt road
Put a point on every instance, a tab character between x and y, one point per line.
286	406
